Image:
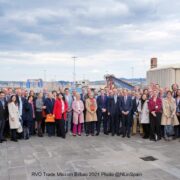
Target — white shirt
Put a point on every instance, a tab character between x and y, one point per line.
63	106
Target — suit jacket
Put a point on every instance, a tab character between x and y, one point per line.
102	103
49	103
3	111
126	106
113	107
135	105
177	106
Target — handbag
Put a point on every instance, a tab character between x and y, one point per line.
19	130
49	118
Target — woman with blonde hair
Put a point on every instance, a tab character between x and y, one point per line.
78	116
91	116
169	118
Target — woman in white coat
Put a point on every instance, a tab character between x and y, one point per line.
14	122
144	115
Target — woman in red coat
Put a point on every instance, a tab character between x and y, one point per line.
60	109
155	109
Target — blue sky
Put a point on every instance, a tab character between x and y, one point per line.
107	36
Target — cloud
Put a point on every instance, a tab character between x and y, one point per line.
109	35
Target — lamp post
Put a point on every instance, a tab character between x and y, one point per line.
74	72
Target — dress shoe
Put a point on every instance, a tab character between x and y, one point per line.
106	133
15	140
123	136
97	134
3	139
128	136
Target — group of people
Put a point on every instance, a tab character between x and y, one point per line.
153	112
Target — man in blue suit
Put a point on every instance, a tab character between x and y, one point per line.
102	103
126	106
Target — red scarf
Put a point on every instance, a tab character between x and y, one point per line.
92	105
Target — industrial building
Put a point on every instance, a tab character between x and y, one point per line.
165	76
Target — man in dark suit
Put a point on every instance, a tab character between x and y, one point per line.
135	114
102	102
126	106
3	115
20	101
114	113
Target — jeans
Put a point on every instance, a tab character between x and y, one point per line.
68	121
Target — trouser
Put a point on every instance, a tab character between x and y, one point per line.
168	131
146	130
115	123
26	132
90	128
2	126
102	117
68	121
39	127
77	127
136	124
7	129
126	124
155	125
50	128
32	127
177	129
83	127
60	128
43	125
13	134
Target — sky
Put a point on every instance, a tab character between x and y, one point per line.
38	38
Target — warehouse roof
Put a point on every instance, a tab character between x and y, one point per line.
171	66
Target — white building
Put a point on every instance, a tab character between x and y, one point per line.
165	76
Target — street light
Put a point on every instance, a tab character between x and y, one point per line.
74	73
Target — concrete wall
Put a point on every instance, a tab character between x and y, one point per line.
164	77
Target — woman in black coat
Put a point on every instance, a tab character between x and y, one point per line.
28	117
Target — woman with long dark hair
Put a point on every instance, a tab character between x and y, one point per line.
13	117
28	117
144	115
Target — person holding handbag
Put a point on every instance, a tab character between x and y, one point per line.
50	122
78	116
169	118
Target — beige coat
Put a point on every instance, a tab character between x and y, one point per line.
13	116
91	115
169	109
